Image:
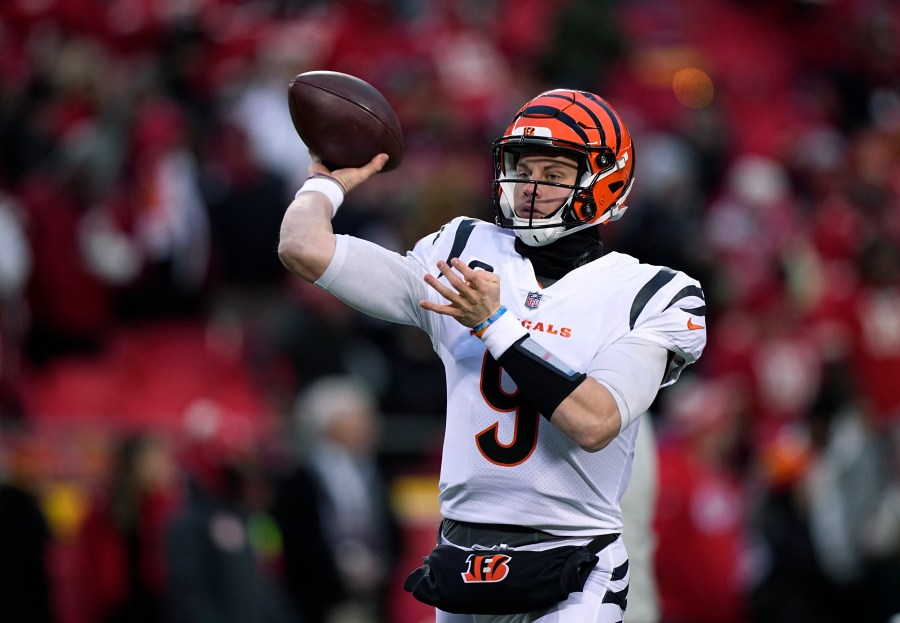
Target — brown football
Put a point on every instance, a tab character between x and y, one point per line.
344	120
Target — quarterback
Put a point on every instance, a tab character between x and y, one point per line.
552	348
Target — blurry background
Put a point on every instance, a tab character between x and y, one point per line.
161	374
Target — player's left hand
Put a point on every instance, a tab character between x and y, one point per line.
473	295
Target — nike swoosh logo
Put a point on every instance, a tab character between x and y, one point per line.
692	326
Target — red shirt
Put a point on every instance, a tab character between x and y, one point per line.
699	522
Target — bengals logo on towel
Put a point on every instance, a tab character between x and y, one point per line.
491	568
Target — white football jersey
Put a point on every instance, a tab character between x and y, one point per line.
502	462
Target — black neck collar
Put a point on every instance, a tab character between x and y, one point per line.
555	260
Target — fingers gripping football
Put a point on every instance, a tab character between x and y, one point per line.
348	178
472	295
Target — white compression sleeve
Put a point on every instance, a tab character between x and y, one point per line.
632	371
377	282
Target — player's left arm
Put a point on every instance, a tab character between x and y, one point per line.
666	334
621	384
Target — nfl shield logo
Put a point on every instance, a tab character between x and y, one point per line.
533	300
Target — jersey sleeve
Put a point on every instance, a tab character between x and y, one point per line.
670	310
631	371
385	284
376	281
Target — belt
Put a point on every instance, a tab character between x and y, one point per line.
467	534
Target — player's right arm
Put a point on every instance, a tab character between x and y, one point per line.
307	242
365	276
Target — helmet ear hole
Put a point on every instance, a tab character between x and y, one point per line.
604	159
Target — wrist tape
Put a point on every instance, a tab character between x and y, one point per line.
326	185
500	333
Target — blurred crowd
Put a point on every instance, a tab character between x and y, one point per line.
172	403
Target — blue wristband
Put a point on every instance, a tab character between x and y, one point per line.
480	328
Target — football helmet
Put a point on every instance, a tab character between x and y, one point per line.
578	124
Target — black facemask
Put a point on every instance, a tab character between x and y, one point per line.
555	260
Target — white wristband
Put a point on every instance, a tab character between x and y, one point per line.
503	333
328	187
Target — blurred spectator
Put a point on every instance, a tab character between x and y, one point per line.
750	227
71	305
244	202
25	593
121	571
246	303
474	80
15	252
342	339
171	226
64	174
215	573
854	481
581	30
854	516
340	535
790	583
15	270
874	325
662	226
258	104
700	511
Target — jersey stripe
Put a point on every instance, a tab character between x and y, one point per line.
461	238
646	293
686	292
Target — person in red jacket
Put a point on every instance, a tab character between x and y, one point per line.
700	511
121	543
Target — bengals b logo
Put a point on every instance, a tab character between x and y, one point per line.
486	568
529	131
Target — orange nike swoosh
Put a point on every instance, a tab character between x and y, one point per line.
692	326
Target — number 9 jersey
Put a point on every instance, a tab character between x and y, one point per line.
502	462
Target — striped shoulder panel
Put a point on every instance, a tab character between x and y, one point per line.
686	292
647	292
461	237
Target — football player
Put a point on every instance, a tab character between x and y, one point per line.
552	348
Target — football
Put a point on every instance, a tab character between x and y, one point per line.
344	120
